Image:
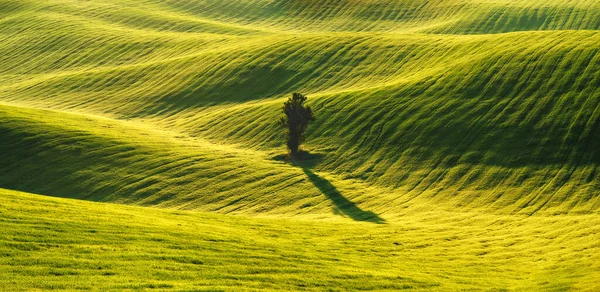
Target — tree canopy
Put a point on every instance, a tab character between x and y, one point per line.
296	119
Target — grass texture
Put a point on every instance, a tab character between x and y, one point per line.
465	119
54	243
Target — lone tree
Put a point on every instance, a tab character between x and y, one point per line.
296	119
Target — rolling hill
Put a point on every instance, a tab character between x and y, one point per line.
469	119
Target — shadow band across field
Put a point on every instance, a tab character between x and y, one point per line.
344	205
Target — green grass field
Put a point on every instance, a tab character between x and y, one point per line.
49	243
456	146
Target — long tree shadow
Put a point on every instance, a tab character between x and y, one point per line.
344	205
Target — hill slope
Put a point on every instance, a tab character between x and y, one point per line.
49	243
463	104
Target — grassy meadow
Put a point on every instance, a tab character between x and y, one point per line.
50	243
456	146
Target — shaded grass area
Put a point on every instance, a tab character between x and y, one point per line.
93	158
104	160
62	244
342	204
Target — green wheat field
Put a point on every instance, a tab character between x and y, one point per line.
456	145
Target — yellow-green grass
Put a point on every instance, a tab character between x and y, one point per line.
464	127
495	126
87	157
63	244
